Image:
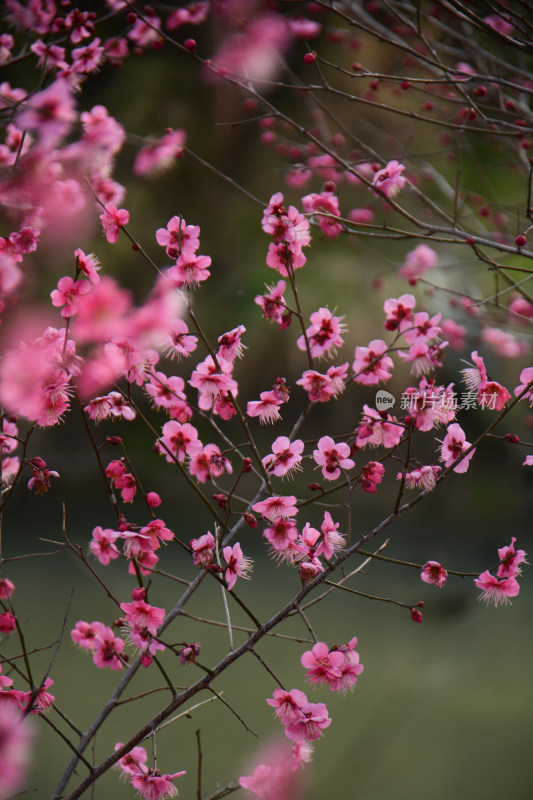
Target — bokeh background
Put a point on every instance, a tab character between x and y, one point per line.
444	708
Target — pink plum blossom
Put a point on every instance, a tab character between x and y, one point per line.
321	388
496	590
422	478
289	226
510	561
154	786
165	392
430	405
350	669
399	311
324	334
282	535
16	738
203	550
453	445
230	345
189	652
500	24
274	507
273	304
238	565
322	665
372	475
423	357
284	257
332	457
266	408
107	649
140	614
504	343
417	262
7	588
157	156
42	702
50	113
421	327
156	528
84	634
134	762
68	295
41	475
189	270
112	220
35	377
143	33
493	396
253	53
209	463
288	705
324	202
178	341
454	333
103	544
179	440
526	378
7	622
371	365
193	14
433	572
378	428
331	540
390	179
309	726
88	264
212	380
285	458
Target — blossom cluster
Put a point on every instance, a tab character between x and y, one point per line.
115	357
148	781
500	587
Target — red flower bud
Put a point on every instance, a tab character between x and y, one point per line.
220	499
250	519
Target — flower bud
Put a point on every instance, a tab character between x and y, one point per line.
250	519
153	499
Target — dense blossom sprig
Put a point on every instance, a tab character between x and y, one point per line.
110	353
